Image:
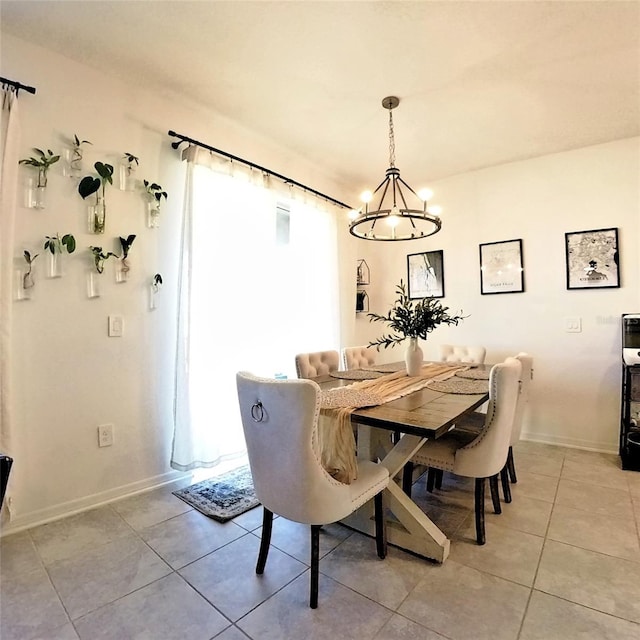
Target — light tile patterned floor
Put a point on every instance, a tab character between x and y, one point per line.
561	563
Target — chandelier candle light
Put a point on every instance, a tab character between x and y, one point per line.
393	219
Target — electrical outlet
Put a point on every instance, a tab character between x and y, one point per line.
573	324
105	435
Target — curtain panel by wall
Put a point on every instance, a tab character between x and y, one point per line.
9	141
258	284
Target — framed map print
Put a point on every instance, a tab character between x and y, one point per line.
592	259
501	269
426	274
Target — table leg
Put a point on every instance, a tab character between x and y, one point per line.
408	527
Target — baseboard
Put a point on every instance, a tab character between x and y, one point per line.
59	511
572	443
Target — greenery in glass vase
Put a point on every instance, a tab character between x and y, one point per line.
408	319
89	185
100	256
56	244
126	243
27	278
154	190
42	164
76	153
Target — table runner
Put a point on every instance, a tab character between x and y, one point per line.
386	368
336	441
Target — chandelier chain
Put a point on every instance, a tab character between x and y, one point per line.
392	142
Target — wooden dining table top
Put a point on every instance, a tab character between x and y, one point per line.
426	413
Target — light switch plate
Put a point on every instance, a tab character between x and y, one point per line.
116	326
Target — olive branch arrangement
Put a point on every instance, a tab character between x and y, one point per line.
411	320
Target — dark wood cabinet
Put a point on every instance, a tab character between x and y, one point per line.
630	418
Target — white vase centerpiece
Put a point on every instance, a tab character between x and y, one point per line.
413	320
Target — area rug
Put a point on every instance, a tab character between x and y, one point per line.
223	497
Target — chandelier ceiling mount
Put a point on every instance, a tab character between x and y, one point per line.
394	219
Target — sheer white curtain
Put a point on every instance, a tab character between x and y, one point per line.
258	285
9	140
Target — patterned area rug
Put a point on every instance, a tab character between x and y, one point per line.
223	497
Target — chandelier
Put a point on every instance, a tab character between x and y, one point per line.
393	219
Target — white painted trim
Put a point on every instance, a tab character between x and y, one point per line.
65	509
572	443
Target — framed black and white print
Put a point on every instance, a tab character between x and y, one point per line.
426	274
592	259
501	267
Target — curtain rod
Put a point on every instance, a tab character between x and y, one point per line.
18	85
182	138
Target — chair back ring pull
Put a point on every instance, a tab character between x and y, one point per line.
257	412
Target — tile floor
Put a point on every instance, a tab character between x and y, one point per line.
561	562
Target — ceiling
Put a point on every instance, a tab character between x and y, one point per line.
480	83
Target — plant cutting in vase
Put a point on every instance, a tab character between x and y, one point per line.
412	320
154	194
27	278
89	185
99	257
128	166
156	283
42	164
73	157
125	243
57	246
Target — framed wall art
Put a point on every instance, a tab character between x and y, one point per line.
501	267
426	274
592	259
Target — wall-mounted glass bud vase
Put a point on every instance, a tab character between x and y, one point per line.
154	290
97	216
89	185
35	187
123	266
34	196
154	195
127	172
122	270
55	246
153	213
93	276
72	158
24	280
54	265
93	284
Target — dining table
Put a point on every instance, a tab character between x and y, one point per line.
391	433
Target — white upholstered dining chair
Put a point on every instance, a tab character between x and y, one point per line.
358	357
280	422
310	365
480	455
461	353
474	422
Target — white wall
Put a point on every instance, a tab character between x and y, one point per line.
576	390
69	377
